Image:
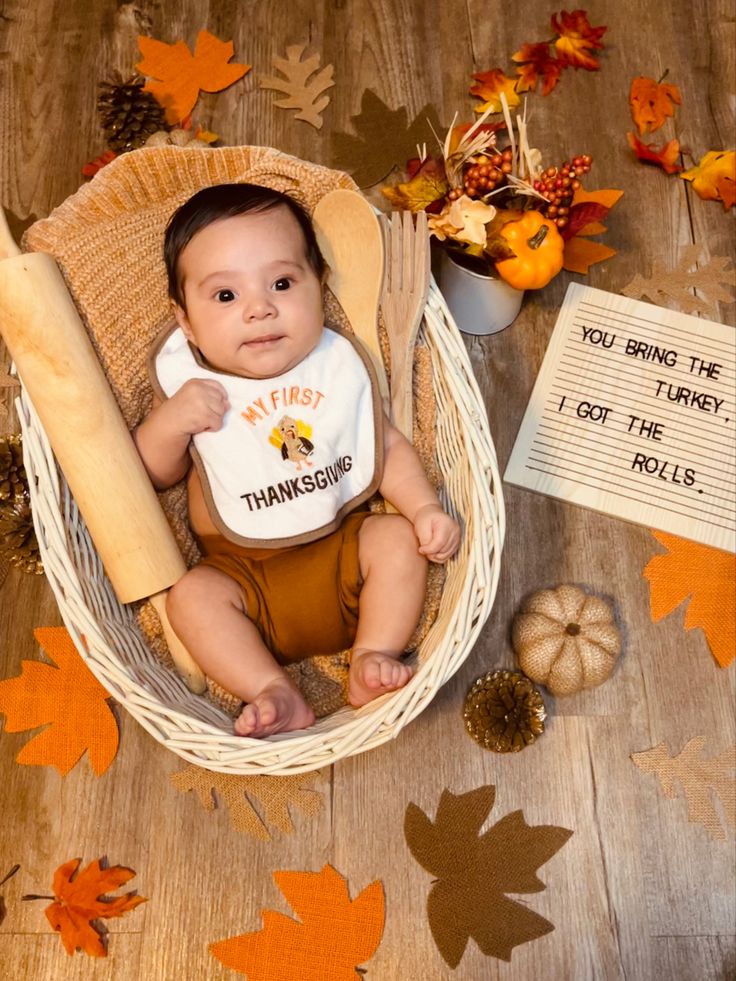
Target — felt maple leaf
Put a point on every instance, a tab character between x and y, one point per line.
182	74
474	871
302	83
276	795
68	700
709	279
714	178
702	781
81	899
383	138
489	86
536	64
334	936
576	39
652	103
664	156
708	577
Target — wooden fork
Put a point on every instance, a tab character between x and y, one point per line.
405	288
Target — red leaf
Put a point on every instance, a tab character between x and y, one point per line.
581	215
576	37
536	63
664	156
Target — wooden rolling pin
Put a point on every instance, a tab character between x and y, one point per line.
59	369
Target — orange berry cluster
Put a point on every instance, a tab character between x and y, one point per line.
559	186
484	173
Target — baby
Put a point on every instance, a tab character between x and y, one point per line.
283	421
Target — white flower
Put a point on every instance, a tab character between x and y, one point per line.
463	220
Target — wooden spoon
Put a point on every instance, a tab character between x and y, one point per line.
349	236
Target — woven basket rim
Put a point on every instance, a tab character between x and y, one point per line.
79	585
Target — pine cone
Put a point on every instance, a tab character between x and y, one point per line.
504	712
18	543
128	114
13	481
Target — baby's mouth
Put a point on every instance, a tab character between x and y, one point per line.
265	341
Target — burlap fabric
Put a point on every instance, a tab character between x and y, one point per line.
107	239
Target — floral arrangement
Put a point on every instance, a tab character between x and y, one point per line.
498	210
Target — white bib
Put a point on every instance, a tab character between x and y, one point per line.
295	453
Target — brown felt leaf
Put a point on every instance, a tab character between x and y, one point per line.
474	871
302	83
701	782
275	794
383	138
710	279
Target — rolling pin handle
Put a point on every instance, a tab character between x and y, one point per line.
185	664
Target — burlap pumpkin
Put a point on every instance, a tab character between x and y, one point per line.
565	639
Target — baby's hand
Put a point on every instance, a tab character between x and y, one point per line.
438	533
198	406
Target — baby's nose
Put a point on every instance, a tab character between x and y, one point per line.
259	307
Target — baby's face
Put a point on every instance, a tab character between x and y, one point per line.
253	302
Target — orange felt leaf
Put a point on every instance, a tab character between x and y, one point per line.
535	63
664	156
182	74
708	577
714	178
576	39
334	936
580	254
68	699
80	899
489	86
652	103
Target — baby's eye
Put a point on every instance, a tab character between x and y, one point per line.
282	284
224	296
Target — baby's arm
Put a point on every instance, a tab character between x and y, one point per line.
406	486
164	435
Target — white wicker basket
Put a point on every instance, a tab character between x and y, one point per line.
190	725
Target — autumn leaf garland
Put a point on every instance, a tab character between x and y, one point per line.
542	62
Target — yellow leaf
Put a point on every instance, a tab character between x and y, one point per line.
417	193
714	178
489	86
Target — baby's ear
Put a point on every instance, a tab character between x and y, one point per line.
180	315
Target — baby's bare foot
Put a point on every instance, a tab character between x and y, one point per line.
373	673
278	708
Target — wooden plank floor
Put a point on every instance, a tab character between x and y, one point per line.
637	892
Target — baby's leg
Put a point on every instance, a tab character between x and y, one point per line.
391	601
207	611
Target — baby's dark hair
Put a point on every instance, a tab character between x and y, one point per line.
226	201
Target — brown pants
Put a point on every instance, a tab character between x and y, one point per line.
304	599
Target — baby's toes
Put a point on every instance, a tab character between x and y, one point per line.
247	721
267	712
372	674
